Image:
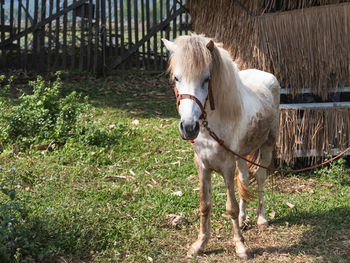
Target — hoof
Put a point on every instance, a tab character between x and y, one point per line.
195	250
244	256
262	223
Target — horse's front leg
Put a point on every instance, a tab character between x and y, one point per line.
204	209
232	209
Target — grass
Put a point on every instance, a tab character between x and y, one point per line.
110	202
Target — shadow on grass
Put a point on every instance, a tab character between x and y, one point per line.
141	95
214	252
328	239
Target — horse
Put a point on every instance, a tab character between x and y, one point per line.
243	114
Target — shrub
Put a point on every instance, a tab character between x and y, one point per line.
43	116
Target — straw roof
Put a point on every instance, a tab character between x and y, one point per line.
307	48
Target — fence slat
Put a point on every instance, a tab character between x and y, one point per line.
26	36
122	49
128	11
187	22
116	28
167	32
155	39
11	28
49	53
42	37
82	39
110	28
90	36
35	36
161	36
148	27
103	35
57	40
73	47
65	49
97	31
3	51
19	23
174	24
136	30
143	31
180	21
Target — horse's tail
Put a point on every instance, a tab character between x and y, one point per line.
244	191
254	157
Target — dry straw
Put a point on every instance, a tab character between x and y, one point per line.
319	129
307	48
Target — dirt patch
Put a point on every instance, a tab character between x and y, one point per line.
290	185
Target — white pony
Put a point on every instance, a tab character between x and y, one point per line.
245	119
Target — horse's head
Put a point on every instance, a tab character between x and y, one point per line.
190	65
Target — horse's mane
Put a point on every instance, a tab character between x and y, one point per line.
195	58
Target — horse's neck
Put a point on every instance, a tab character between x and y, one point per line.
228	96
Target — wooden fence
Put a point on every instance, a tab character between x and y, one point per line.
88	35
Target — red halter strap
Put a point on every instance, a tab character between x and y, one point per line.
189	96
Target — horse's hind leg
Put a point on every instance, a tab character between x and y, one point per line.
242	174
261	175
232	209
205	208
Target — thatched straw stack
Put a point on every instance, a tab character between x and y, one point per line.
305	48
308	48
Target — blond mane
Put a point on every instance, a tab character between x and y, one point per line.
194	58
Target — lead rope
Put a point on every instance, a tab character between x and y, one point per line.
270	169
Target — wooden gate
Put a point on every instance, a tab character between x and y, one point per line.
88	35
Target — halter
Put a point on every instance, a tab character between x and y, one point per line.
191	97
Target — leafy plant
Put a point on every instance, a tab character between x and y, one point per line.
43	116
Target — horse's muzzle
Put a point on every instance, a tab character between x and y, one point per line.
189	130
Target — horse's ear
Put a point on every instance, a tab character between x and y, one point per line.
170	46
210	45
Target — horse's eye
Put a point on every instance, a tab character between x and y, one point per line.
206	81
176	79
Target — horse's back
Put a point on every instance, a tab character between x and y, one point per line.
258	80
258	76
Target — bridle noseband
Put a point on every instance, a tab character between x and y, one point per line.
180	97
